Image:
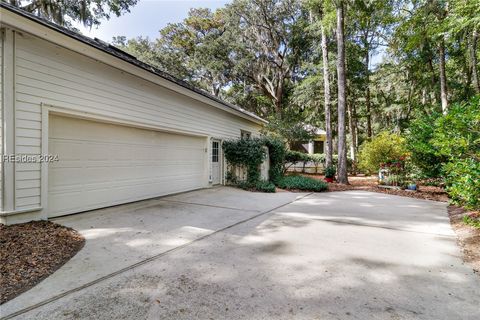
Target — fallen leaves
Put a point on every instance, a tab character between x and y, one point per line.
30	252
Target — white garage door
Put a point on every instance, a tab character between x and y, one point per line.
103	164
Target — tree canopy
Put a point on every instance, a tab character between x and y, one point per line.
63	12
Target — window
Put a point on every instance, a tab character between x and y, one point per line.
300	146
215	151
318	146
245	134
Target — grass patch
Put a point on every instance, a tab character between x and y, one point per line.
301	183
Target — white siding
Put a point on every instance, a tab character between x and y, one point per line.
49	74
1	118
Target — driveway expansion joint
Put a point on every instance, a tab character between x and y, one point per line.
209	205
143	262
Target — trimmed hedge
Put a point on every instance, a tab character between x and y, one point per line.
294	157
301	183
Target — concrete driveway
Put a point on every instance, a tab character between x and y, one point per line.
228	254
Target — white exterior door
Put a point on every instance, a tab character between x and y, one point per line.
104	164
216	167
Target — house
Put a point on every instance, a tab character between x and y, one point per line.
86	126
313	146
316	145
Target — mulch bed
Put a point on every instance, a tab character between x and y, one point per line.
468	237
30	252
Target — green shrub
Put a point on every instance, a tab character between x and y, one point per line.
296	156
383	148
265	186
463	182
423	154
260	186
330	172
302	183
457	137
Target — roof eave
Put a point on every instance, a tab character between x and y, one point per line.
62	37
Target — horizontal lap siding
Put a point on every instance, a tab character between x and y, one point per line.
46	73
1	118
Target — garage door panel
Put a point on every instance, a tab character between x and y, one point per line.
95	196
104	164
103	173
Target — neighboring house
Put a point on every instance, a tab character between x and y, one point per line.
121	130
316	145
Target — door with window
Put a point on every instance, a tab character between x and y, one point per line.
216	166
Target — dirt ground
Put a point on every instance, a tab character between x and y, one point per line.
468	237
30	252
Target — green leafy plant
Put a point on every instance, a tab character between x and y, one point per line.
294	157
330	172
248	153
472	220
383	148
265	186
277	152
463	182
302	183
457	137
260	186
423	154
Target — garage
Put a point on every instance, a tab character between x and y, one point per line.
123	130
102	164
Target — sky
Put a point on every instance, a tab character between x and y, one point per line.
147	17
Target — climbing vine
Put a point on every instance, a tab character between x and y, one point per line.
250	153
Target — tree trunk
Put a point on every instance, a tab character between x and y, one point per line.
352	122
443	76
367	91
328	114
476	81
342	150
433	98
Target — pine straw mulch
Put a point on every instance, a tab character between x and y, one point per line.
369	183
468	237
30	252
